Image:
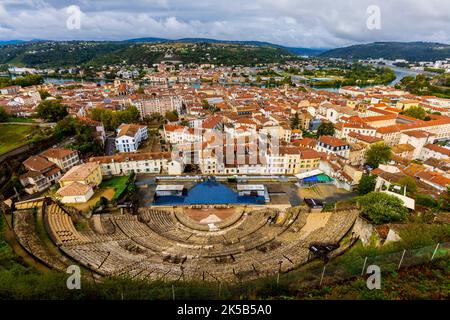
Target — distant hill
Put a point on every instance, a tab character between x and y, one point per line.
6	42
411	51
296	51
53	54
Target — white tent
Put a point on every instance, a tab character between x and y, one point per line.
308	174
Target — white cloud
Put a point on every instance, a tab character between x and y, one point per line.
307	23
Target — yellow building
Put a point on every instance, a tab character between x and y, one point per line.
406	104
87	173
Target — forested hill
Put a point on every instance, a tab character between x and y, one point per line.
50	54
411	51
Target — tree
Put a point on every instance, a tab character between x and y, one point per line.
415	112
52	110
325	129
367	184
130	115
154	118
44	94
409	183
172	116
425	200
184	123
205	104
381	207
85	140
4	116
295	121
66	127
445	200
140	90
111	120
377	154
28	80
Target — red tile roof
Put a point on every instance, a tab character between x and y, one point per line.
333	141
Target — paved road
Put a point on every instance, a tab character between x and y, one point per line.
110	146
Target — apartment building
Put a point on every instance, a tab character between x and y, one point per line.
126	163
87	173
63	158
333	145
342	130
41	174
434	151
159	105
130	136
176	134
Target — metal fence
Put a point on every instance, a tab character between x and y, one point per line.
315	274
338	270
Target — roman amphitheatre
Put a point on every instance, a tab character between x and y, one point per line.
213	243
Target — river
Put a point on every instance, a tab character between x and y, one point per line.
400	73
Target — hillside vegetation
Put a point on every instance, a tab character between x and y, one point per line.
411	51
91	53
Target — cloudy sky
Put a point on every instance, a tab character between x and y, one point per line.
297	23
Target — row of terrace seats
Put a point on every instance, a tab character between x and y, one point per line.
132	228
150	254
107	258
62	228
339	223
335	229
159	220
28	205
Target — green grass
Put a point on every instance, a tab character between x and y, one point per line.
21	120
119	184
13	136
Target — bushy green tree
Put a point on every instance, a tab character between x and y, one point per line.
325	129
52	110
415	112
295	121
112	119
425	200
172	116
44	94
4	116
380	207
378	153
367	184
85	141
445	200
409	183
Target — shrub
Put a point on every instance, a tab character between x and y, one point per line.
381	208
425	200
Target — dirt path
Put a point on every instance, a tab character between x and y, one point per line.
18	250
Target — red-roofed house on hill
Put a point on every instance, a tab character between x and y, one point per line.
434	151
333	145
41	174
63	158
213	123
343	129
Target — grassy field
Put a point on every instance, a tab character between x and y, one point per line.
119	184
13	136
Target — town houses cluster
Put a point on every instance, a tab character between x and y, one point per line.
225	127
